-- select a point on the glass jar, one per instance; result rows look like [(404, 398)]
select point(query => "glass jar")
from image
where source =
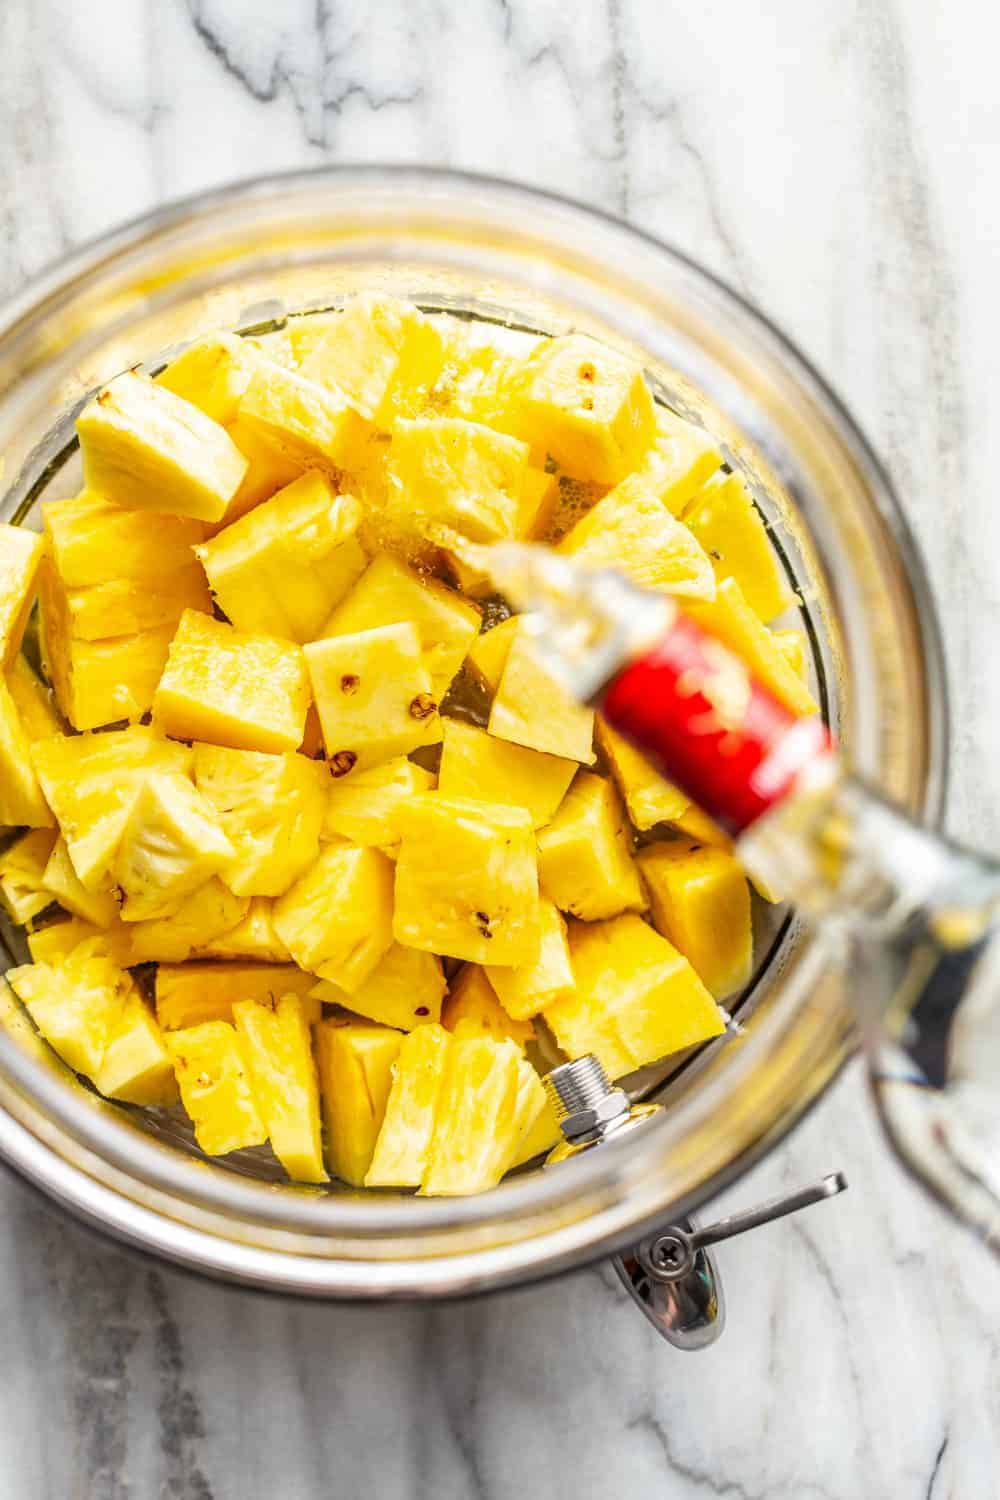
[(248, 256)]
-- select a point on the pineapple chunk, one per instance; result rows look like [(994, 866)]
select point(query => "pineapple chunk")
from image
[(190, 994), (585, 862), (539, 499), (404, 1138), (390, 593), (213, 1074), (22, 875), (39, 719), (532, 709), (732, 531), (585, 406), (649, 797), (170, 846), (636, 1000), (380, 353), (305, 330), (54, 943), (356, 1061), (529, 988), (336, 920), (488, 653), (213, 374), (282, 568), (90, 540), (22, 803), (531, 1104), (405, 990), (792, 644), (373, 695), (76, 1006), (472, 1009), (146, 449), (269, 470), (122, 607), (252, 937), (136, 1065), (467, 880), (701, 828), (461, 474), (540, 1137), (630, 529), (474, 1125), (730, 617), (249, 692), (700, 901), (303, 420), (270, 807), (475, 764), (364, 806), (284, 1081), (20, 556), (682, 458), (199, 917), (63, 884), (104, 682)]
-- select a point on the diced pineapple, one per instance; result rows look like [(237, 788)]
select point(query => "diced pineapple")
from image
[(22, 803), (22, 875), (585, 862), (404, 1140), (355, 1061), (199, 918), (540, 1137), (336, 920), (700, 900), (793, 645), (636, 999), (373, 695), (681, 459), (268, 471), (532, 709), (472, 1141), (171, 845), (404, 990), (390, 593), (212, 373), (144, 448), (731, 529), (305, 421), (282, 568), (284, 1081), (631, 530), (380, 353), (213, 1074), (475, 764), (253, 936), (539, 498), (91, 540), (305, 330), (270, 807), (488, 653), (136, 1066), (701, 828), (192, 993), (730, 617), (54, 943), (467, 880), (63, 884), (39, 719), (20, 556), (472, 1009), (104, 682), (364, 805), (649, 797), (249, 692), (585, 406), (525, 990), (461, 474), (123, 607), (76, 1006), (531, 1104)]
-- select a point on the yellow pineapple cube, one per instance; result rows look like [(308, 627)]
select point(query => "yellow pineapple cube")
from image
[(364, 805), (682, 458), (530, 708), (525, 990), (305, 330), (355, 1061), (213, 374), (390, 593), (170, 846), (539, 499), (282, 568), (472, 1009), (540, 1137), (730, 618), (373, 695), (701, 828), (22, 803), (336, 920), (307, 422), (20, 556), (475, 764), (488, 653), (285, 1085), (475, 1117), (270, 807), (649, 797), (268, 471), (122, 607), (585, 406), (253, 936), (793, 645), (585, 862), (467, 880), (379, 352), (192, 924), (136, 1066), (460, 474), (54, 943), (213, 1074), (33, 701), (188, 994), (631, 530), (145, 448), (22, 875), (700, 901), (249, 692), (732, 531), (636, 999), (90, 540), (104, 682), (404, 1137), (404, 990), (63, 884), (76, 1006), (531, 1104)]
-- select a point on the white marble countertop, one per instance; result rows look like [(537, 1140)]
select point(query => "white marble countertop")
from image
[(840, 165)]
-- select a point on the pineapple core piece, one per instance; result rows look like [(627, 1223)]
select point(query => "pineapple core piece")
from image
[(373, 695), (649, 797), (305, 421), (488, 653), (700, 900), (472, 1009), (22, 803), (459, 474), (636, 999), (531, 709), (529, 988), (474, 1127), (476, 764), (731, 529), (20, 556), (380, 353), (540, 1137), (270, 807), (336, 920), (171, 845), (147, 449), (249, 692), (63, 884), (530, 1105), (136, 1066), (212, 373), (189, 994), (404, 1137), (631, 530), (283, 1078), (39, 719), (585, 860), (213, 1074), (585, 406), (682, 458), (355, 1061), (467, 880), (404, 990), (22, 875), (282, 568), (730, 617), (76, 1006), (192, 924), (364, 806)]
